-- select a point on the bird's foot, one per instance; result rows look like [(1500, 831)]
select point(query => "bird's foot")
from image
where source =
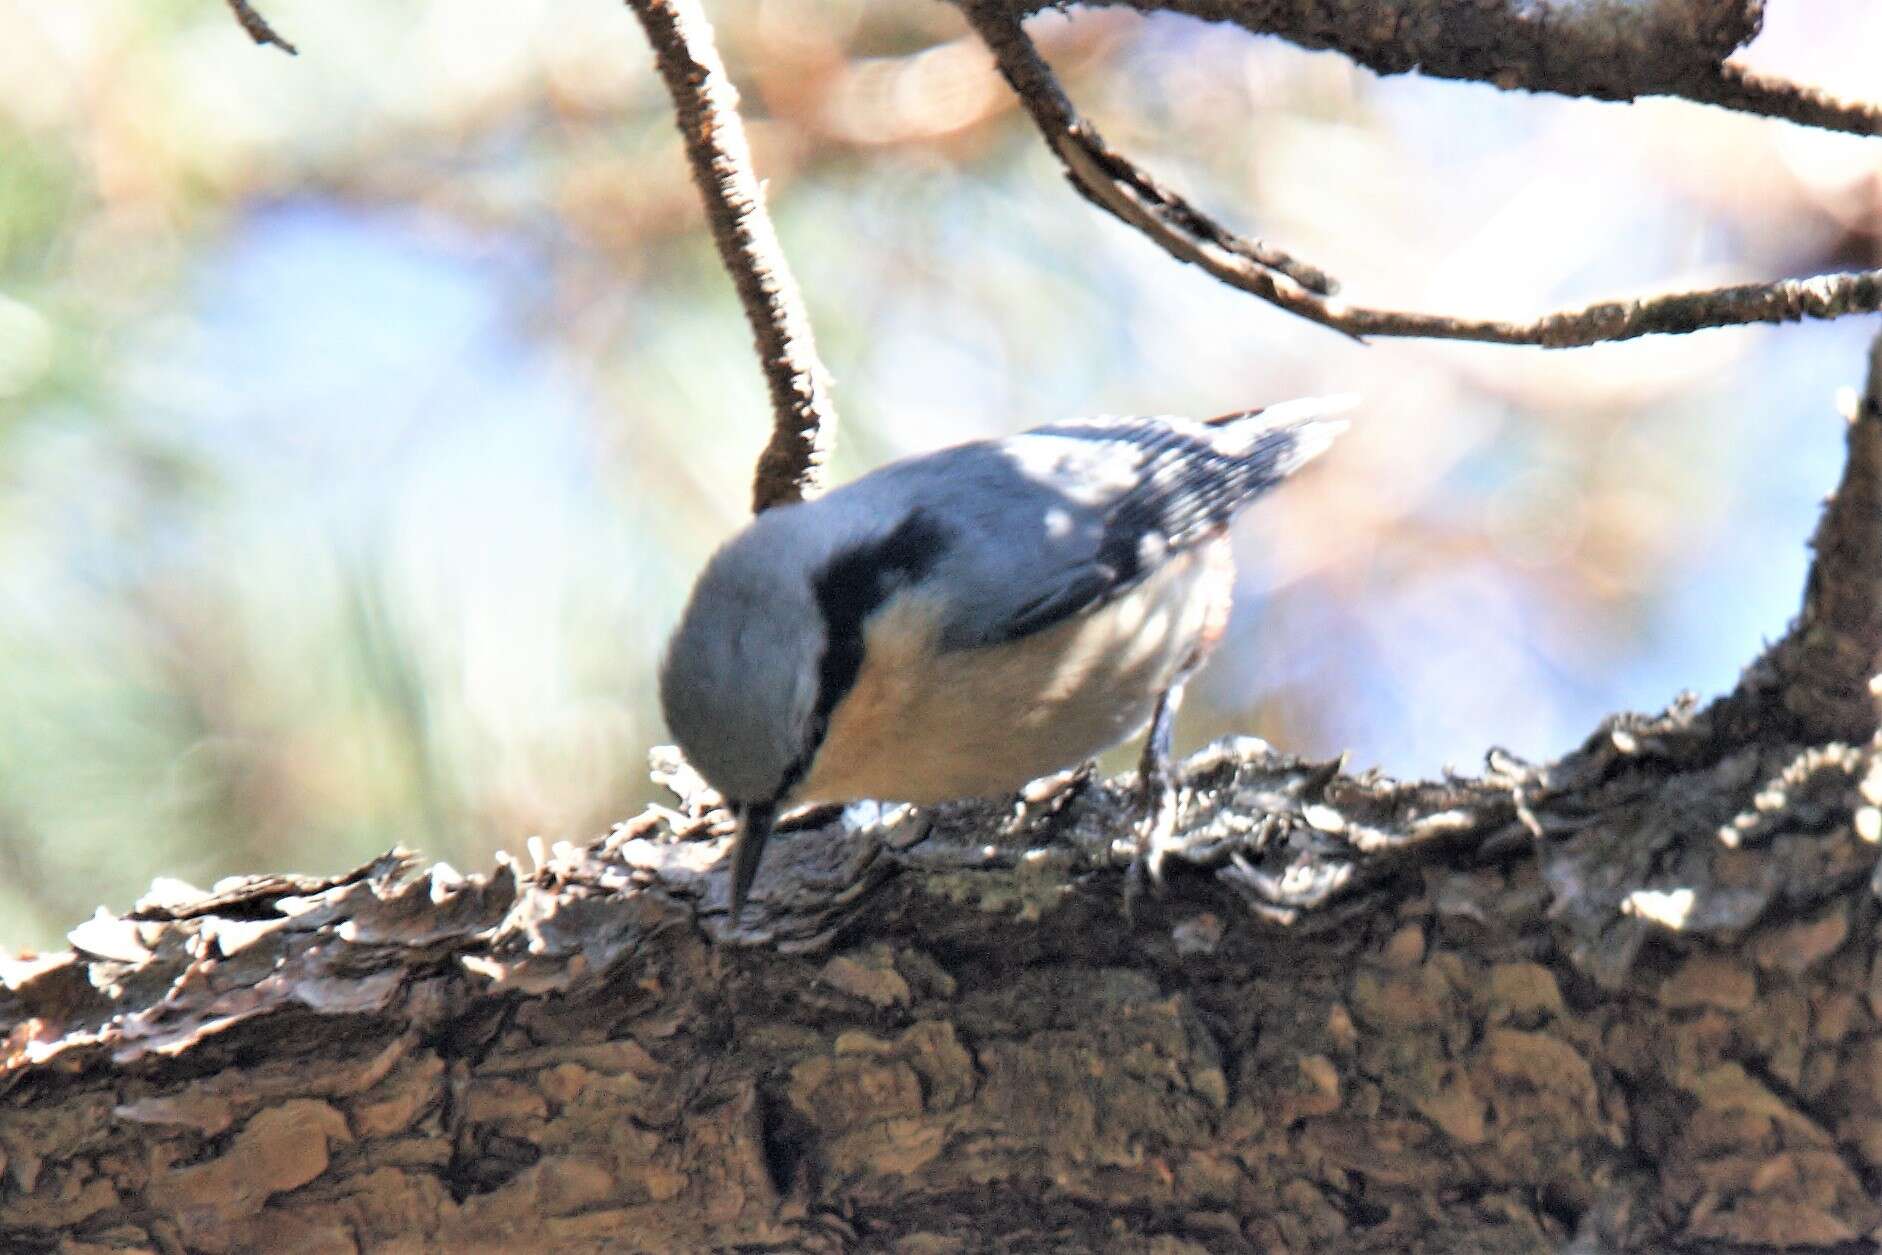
[(1157, 800)]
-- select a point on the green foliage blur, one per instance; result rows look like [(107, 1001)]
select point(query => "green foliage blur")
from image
[(363, 415)]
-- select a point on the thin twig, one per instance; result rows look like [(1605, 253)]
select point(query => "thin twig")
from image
[(706, 108), (257, 27), (1748, 91), (1114, 183), (1120, 187)]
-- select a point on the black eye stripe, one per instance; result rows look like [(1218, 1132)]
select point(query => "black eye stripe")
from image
[(852, 586)]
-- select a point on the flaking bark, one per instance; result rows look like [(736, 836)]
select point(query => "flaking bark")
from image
[(1498, 1014), (1630, 1000)]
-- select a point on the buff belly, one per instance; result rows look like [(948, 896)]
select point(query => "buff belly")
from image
[(926, 727)]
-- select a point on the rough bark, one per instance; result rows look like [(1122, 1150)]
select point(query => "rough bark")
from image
[(1576, 47), (1594, 48), (1629, 1001), (1495, 1014)]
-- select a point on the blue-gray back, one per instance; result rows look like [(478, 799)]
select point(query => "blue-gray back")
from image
[(1032, 529)]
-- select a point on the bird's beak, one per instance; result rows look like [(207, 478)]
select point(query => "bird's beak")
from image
[(748, 847)]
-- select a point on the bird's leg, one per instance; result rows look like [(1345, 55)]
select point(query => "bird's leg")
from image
[(1156, 796)]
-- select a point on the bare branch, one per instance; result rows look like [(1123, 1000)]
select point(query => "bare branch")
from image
[(1115, 184), (1748, 91), (706, 109), (257, 27), (1582, 48), (1168, 212)]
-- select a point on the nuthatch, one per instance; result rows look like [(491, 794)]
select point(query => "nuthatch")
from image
[(959, 623)]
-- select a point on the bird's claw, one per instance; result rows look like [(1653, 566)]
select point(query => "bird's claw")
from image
[(1156, 837)]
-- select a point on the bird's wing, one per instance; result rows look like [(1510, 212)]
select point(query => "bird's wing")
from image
[(1066, 517)]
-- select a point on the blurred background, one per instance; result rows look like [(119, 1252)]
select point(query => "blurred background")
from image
[(364, 416)]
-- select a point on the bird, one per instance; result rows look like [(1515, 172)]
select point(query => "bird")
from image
[(961, 622)]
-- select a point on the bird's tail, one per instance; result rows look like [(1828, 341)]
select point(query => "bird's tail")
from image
[(1285, 437)]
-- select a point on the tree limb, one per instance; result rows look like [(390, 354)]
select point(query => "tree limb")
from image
[(1627, 1000), (706, 108), (1115, 184), (1591, 1001), (1825, 670), (1568, 47), (1746, 90), (1545, 1004)]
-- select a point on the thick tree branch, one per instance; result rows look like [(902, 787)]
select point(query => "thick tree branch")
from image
[(1466, 1043), (1826, 668), (706, 107), (257, 27), (1570, 47), (1115, 184), (1627, 999)]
